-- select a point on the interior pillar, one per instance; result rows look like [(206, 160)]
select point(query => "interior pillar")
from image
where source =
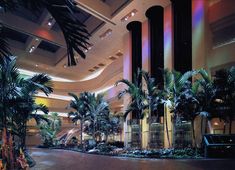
[(182, 24)]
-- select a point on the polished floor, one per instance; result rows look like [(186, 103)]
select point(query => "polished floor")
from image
[(68, 160)]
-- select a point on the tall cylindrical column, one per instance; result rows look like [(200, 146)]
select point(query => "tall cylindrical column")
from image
[(135, 28), (156, 37), (182, 24)]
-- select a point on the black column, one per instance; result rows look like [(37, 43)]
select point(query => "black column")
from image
[(182, 23), (135, 28), (156, 37)]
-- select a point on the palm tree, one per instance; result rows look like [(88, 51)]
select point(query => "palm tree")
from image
[(100, 111), (174, 83), (138, 101), (153, 97), (203, 89), (64, 13), (50, 128), (224, 83), (80, 105), (18, 96)]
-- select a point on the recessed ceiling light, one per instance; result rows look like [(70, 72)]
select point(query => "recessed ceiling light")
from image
[(36, 65), (119, 54), (101, 64), (96, 67), (112, 58), (129, 15), (32, 48), (91, 70), (107, 33), (49, 22)]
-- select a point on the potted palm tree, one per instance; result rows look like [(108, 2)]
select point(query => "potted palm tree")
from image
[(174, 82), (138, 101), (153, 95), (81, 110)]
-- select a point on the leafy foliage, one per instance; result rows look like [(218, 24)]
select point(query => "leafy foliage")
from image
[(17, 97), (138, 101), (49, 129)]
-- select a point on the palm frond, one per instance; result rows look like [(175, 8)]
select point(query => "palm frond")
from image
[(65, 14), (40, 82), (74, 31)]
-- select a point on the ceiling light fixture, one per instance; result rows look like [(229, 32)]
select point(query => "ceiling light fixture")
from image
[(129, 15), (49, 22), (31, 49), (107, 33), (89, 47)]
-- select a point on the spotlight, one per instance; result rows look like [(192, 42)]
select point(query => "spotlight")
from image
[(32, 48), (107, 33), (129, 15), (49, 22)]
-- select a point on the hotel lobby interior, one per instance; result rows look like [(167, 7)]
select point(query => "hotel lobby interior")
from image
[(117, 84)]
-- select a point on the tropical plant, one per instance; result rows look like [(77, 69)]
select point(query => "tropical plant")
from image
[(204, 91), (93, 113), (81, 112), (138, 102), (174, 84), (153, 94), (187, 106), (49, 129), (64, 13), (99, 109), (224, 84), (17, 103)]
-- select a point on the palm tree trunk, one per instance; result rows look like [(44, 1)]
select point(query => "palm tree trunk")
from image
[(140, 133), (81, 127), (167, 131), (150, 123), (194, 138)]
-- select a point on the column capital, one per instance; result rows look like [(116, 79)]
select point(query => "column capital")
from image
[(153, 11), (133, 25)]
